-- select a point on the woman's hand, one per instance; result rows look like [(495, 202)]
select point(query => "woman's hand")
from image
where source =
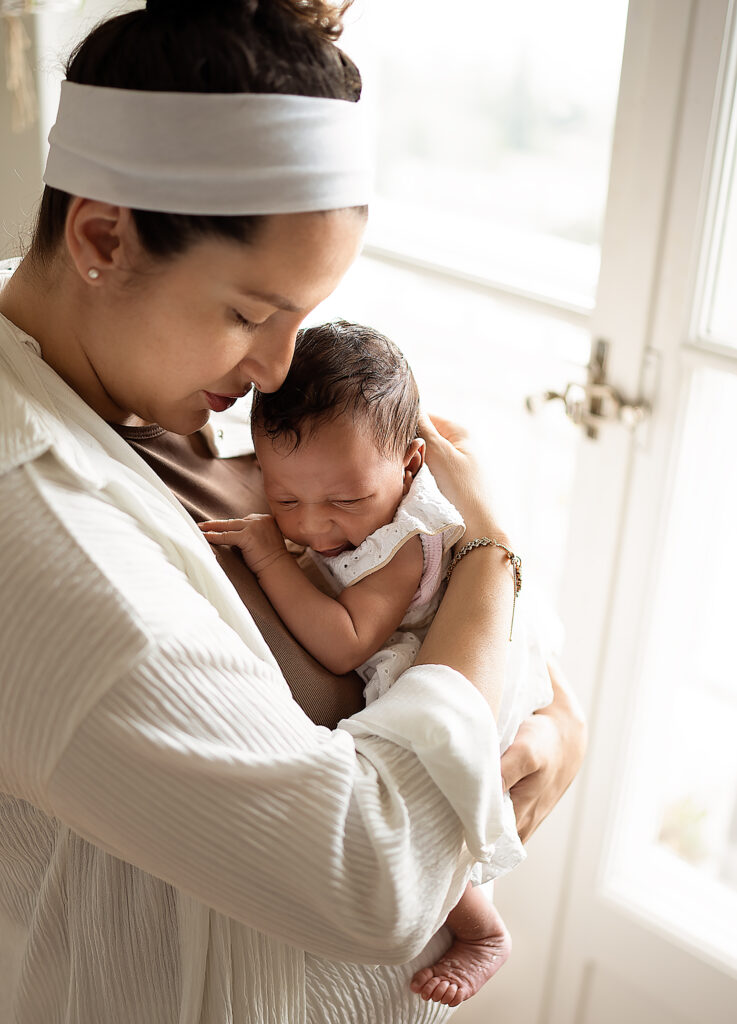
[(258, 537), (547, 752), (459, 475)]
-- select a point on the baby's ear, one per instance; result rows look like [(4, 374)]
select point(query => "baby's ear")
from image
[(413, 460)]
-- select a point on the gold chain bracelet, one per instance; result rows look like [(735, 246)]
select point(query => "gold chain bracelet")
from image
[(514, 560)]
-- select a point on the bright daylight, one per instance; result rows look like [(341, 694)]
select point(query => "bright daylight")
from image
[(368, 433)]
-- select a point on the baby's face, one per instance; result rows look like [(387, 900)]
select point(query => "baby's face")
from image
[(333, 490)]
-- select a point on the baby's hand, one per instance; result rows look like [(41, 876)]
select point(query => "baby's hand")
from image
[(258, 537)]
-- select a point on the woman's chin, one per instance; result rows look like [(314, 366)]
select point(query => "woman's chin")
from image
[(178, 421)]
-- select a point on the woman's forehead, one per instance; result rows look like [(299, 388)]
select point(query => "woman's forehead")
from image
[(293, 262)]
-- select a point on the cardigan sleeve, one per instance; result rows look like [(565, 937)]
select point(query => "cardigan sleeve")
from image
[(135, 715)]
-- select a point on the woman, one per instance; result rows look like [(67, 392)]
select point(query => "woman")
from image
[(179, 841)]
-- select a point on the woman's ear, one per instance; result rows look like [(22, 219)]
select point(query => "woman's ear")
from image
[(413, 460), (100, 238)]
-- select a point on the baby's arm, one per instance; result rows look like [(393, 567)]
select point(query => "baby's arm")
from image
[(340, 632)]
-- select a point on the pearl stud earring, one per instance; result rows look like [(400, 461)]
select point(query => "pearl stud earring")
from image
[(93, 273)]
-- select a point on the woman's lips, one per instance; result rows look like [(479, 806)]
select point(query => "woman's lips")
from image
[(219, 403)]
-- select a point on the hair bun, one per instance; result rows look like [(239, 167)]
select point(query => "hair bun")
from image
[(171, 8)]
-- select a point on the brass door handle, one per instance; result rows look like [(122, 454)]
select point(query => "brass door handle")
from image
[(595, 402)]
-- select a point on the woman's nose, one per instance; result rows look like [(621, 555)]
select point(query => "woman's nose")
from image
[(271, 361)]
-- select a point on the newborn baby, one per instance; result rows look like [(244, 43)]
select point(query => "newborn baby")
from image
[(344, 476)]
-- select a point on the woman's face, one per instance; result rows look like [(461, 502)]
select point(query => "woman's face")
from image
[(193, 333)]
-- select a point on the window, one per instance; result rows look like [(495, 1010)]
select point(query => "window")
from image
[(493, 127), (495, 157), (675, 852)]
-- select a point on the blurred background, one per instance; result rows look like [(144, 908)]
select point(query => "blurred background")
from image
[(553, 243)]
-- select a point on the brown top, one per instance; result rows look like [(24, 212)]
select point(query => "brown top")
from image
[(211, 488)]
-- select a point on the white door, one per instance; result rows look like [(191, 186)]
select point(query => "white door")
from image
[(648, 926), (515, 299)]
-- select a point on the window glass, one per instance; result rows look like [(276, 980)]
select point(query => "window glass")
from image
[(679, 832), (494, 124), (720, 313)]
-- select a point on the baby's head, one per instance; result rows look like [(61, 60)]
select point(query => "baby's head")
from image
[(337, 443)]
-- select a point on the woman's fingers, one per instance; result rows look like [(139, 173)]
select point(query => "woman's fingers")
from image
[(451, 431), (530, 775), (523, 757), (547, 752), (436, 429), (459, 475)]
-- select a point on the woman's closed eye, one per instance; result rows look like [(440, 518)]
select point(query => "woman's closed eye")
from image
[(244, 322)]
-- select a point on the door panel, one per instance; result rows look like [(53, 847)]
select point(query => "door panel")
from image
[(609, 997), (650, 902)]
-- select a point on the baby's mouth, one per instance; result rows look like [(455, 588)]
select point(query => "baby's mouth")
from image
[(332, 552)]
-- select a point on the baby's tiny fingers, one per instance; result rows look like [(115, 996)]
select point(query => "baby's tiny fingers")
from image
[(219, 525), (223, 536)]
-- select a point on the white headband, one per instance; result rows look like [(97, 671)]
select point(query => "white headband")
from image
[(208, 153)]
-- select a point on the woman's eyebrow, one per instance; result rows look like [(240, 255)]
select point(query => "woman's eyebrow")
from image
[(272, 298)]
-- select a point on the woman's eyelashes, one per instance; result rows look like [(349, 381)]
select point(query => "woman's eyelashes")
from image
[(244, 322)]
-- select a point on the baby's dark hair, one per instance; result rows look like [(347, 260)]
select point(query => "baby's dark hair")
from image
[(341, 368)]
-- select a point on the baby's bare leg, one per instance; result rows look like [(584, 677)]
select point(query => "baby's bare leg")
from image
[(481, 945)]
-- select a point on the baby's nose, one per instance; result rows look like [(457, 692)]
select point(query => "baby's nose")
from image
[(314, 520)]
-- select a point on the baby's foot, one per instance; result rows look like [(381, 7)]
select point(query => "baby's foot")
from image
[(466, 966)]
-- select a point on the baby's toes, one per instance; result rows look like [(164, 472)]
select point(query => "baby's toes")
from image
[(429, 989), (440, 990), (421, 978), (451, 996)]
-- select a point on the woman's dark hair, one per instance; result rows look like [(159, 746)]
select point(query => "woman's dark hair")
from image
[(338, 369), (264, 46)]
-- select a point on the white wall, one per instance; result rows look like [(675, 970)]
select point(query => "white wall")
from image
[(22, 156)]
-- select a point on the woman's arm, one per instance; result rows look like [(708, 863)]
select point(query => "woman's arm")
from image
[(152, 728), (546, 753), (474, 645), (549, 747)]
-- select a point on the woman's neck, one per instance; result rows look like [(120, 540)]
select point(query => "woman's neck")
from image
[(49, 305)]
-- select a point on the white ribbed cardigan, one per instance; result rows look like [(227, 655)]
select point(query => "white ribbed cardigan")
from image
[(179, 844)]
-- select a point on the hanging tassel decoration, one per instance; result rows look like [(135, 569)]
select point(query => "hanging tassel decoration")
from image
[(19, 74)]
